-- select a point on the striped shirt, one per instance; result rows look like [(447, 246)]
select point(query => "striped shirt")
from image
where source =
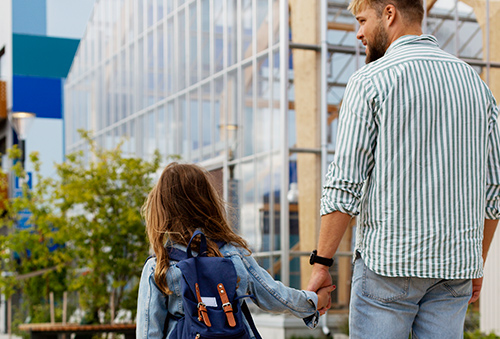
[(418, 160)]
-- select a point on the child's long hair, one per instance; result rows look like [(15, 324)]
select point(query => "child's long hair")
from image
[(182, 201)]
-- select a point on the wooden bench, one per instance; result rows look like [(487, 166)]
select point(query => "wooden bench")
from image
[(55, 331)]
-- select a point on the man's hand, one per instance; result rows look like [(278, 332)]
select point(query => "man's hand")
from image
[(476, 289), (333, 227), (490, 227), (320, 277)]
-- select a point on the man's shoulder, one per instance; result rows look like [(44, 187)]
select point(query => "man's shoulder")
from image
[(404, 57)]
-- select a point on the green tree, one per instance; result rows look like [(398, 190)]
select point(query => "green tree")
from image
[(101, 199), (32, 250), (91, 208)]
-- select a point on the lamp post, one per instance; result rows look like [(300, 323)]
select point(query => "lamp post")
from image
[(21, 121)]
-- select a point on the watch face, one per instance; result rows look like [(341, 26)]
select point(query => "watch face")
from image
[(311, 258)]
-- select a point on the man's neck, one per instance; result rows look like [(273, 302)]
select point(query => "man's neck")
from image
[(408, 30)]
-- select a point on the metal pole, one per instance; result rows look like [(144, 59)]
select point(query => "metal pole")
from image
[(487, 13), (112, 306), (424, 22), (9, 317), (22, 147), (52, 313), (457, 37), (284, 213), (324, 113), (65, 306), (324, 89)]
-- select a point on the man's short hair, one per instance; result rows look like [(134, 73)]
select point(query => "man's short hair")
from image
[(412, 10)]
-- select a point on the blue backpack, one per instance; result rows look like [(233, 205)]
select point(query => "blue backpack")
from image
[(211, 307)]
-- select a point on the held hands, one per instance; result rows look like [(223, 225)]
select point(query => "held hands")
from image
[(320, 277), (324, 298), (321, 283)]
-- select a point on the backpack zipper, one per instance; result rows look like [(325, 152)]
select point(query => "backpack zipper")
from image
[(198, 336)]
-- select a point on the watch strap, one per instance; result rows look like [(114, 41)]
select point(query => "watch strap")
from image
[(315, 258)]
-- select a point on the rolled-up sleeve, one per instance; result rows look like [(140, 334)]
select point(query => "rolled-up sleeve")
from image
[(355, 147), (151, 305), (493, 169)]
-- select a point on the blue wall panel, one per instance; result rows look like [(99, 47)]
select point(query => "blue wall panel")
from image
[(42, 56), (42, 96), (29, 17)]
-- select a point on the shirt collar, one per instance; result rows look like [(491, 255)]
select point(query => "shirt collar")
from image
[(409, 39)]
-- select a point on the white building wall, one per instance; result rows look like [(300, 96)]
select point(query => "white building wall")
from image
[(48, 145), (490, 296), (68, 19)]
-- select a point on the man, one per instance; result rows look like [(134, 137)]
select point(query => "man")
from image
[(418, 161)]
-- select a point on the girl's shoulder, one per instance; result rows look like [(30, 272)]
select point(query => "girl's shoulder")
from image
[(229, 250), (150, 262)]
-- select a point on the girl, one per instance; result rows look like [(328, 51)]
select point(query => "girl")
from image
[(182, 201)]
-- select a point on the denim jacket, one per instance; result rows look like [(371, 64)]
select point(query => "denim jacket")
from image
[(268, 294)]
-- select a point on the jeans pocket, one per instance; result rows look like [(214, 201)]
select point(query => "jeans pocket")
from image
[(384, 289), (459, 287)]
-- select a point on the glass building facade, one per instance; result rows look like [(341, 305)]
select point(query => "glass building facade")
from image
[(213, 81)]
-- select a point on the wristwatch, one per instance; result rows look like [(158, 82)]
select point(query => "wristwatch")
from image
[(315, 258)]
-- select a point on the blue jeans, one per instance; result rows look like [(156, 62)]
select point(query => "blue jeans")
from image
[(384, 307)]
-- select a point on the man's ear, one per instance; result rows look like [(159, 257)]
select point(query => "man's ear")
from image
[(389, 14)]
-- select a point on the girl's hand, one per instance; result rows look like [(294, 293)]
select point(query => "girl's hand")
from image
[(324, 298)]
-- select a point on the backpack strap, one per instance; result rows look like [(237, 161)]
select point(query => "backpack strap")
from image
[(203, 244), (178, 255), (248, 316)]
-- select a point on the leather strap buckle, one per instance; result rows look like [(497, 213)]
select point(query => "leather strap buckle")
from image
[(202, 309), (226, 305)]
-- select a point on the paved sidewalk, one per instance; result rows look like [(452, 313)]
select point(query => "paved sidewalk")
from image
[(6, 336)]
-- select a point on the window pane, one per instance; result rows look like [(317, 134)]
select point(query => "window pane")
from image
[(169, 83), (151, 134), (262, 25), (248, 211), (263, 113), (194, 122), (205, 38), (206, 122), (161, 64), (248, 111), (140, 15), (193, 44), (247, 33), (183, 128), (218, 104), (275, 107), (232, 126), (151, 87), (151, 12), (218, 31), (161, 132), (140, 75), (181, 50), (171, 130), (232, 32)]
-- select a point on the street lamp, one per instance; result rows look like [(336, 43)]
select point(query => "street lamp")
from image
[(21, 121)]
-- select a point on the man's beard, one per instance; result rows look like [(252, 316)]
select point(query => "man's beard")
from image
[(377, 49)]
